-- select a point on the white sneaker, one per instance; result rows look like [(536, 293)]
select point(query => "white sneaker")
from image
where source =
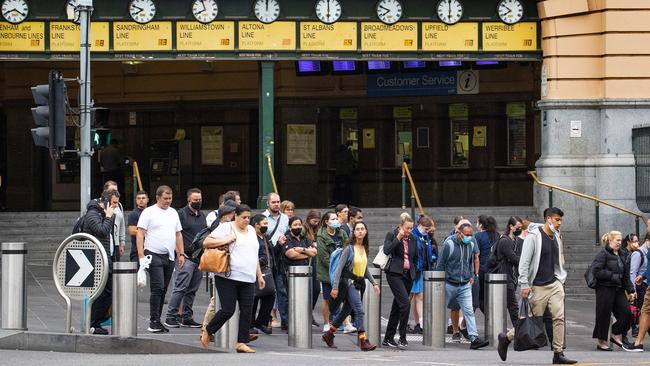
[(349, 328), (326, 327)]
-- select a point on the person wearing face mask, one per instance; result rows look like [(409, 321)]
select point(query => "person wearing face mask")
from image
[(188, 278), (457, 260), (297, 250), (541, 279), (310, 230), (425, 262), (401, 246), (265, 302), (503, 259), (329, 237)]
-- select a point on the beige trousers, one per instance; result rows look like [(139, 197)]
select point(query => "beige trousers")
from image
[(209, 314)]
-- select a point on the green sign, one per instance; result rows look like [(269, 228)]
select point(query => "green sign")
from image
[(348, 114), (459, 110), (402, 112), (516, 110)]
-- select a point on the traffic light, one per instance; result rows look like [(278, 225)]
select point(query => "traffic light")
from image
[(100, 137), (50, 113)]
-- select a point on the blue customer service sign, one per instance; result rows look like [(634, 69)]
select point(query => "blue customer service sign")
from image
[(412, 84)]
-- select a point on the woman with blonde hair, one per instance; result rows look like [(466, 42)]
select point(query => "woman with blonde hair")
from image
[(287, 208), (613, 292)]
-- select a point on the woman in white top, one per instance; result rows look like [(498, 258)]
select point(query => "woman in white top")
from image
[(237, 286)]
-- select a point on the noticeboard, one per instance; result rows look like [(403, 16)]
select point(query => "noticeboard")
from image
[(195, 36), (504, 37), (376, 36), (444, 37), (316, 36), (131, 36), (257, 36), (23, 37), (64, 37)]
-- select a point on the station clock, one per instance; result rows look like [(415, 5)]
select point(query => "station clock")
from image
[(450, 11), (328, 11), (15, 11), (267, 11), (142, 11), (205, 11), (510, 11), (389, 11)]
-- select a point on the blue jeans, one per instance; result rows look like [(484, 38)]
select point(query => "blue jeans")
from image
[(462, 295), (351, 298), (281, 297)]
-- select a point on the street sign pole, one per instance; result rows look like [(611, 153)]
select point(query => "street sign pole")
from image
[(85, 8)]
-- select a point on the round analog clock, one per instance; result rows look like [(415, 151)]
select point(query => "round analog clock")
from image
[(328, 11), (450, 11), (510, 11), (15, 11), (142, 11), (267, 11), (205, 11), (389, 11)]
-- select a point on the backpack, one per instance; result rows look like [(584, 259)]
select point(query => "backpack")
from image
[(197, 243), (589, 277), (335, 258)]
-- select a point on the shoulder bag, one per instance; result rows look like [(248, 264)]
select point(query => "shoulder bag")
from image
[(217, 260)]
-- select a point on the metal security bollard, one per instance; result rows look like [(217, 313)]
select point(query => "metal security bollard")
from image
[(435, 310), (14, 286), (300, 314), (226, 337), (125, 299), (372, 308), (496, 287)]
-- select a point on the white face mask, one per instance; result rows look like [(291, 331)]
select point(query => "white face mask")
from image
[(550, 225)]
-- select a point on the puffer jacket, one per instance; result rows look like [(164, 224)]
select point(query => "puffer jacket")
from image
[(610, 270), (97, 225)]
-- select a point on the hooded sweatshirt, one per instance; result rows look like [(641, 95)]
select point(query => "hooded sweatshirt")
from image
[(530, 255), (459, 263)]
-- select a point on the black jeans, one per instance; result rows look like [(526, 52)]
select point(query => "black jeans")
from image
[(315, 284), (160, 274), (104, 301), (262, 307), (611, 300), (400, 286), (230, 293), (511, 302)]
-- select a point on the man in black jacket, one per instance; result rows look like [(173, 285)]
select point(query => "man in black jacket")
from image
[(98, 223)]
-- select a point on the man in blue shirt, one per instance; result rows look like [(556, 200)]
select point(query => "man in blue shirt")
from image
[(141, 201), (644, 321)]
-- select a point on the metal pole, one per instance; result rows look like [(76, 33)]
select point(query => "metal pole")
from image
[(372, 308), (434, 309), (550, 197), (226, 337), (637, 225), (14, 286), (300, 312), (412, 206), (266, 125), (495, 314), (597, 223), (125, 299), (403, 188), (85, 9)]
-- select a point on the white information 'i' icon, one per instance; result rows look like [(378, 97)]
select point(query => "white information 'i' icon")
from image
[(467, 82)]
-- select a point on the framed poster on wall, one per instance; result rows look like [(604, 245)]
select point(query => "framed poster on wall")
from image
[(301, 144), (212, 145)]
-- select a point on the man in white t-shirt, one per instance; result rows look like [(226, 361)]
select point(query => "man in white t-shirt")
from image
[(159, 235)]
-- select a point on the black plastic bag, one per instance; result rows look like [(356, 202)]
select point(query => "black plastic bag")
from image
[(529, 332)]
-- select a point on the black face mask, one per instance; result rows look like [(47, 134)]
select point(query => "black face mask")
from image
[(196, 205), (264, 229), (517, 232), (296, 232)]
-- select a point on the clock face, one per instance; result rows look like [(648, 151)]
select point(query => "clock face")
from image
[(510, 11), (389, 11), (205, 11), (267, 11), (328, 11), (15, 11), (142, 11), (450, 11)]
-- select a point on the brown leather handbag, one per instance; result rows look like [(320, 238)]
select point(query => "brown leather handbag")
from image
[(216, 260)]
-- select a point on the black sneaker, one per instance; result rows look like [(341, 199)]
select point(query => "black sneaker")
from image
[(156, 327), (172, 323), (102, 331), (478, 343), (389, 343), (410, 329), (417, 329), (455, 338), (450, 330), (265, 330), (190, 323), (464, 332), (560, 359), (403, 343), (502, 347), (633, 348)]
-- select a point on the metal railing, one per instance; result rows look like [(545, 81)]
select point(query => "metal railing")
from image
[(406, 173), (137, 181), (597, 202), (270, 165)]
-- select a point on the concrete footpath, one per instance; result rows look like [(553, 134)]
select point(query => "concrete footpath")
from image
[(46, 314)]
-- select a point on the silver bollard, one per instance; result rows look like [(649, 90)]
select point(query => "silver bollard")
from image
[(496, 288), (226, 337), (14, 286), (435, 309), (125, 299), (372, 308), (300, 313)]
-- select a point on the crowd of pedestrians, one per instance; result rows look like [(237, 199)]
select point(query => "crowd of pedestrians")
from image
[(263, 246)]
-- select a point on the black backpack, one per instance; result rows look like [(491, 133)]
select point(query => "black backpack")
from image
[(589, 277), (493, 263), (79, 225), (197, 242)]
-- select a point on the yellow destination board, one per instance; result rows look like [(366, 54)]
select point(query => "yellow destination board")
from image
[(23, 37), (131, 36), (516, 37), (316, 36), (376, 36), (64, 37), (195, 36), (443, 37), (277, 36)]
